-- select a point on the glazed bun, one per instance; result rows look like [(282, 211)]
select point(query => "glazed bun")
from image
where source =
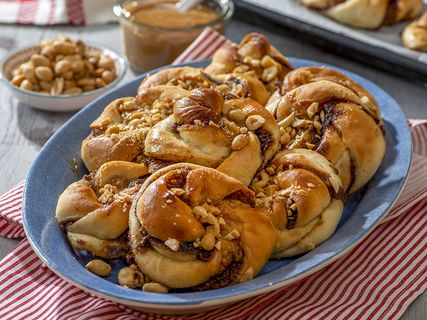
[(304, 198), (94, 211), (119, 132), (325, 111), (236, 136), (196, 228), (254, 57)]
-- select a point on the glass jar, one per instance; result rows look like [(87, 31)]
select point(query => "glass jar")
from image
[(150, 41)]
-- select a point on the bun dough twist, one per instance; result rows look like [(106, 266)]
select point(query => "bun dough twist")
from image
[(414, 36), (304, 198), (234, 86), (194, 227), (119, 132), (187, 78), (325, 111), (254, 57), (95, 210), (367, 14), (237, 136)]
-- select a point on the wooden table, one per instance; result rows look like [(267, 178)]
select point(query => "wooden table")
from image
[(23, 130)]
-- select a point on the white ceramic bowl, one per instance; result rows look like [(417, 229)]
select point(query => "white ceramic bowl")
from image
[(60, 103)]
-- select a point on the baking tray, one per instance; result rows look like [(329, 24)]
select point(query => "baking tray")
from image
[(380, 48)]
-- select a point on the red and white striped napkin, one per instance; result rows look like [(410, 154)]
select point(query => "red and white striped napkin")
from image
[(48, 12), (378, 279)]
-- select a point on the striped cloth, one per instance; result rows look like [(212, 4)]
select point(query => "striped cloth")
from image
[(378, 279), (48, 12)]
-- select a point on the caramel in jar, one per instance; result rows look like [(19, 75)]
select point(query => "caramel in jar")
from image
[(155, 35)]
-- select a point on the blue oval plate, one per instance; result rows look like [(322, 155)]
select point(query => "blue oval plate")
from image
[(51, 173)]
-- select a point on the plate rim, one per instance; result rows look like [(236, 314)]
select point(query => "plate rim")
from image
[(230, 297)]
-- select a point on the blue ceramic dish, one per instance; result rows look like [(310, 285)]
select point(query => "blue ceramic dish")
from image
[(51, 173)]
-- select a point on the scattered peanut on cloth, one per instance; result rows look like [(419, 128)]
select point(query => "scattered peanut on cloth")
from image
[(64, 66)]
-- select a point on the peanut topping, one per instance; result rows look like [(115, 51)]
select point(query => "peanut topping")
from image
[(200, 211), (254, 122), (234, 234), (208, 241), (239, 142), (313, 109), (244, 130), (173, 244), (178, 191), (287, 121), (236, 115)]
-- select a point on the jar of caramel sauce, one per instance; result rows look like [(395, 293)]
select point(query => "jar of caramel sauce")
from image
[(155, 34)]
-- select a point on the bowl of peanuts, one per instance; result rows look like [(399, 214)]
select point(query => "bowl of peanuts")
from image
[(62, 74)]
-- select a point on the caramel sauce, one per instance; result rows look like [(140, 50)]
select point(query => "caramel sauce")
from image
[(169, 18), (155, 35)]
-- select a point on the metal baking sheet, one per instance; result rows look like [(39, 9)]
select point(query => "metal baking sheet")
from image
[(383, 45)]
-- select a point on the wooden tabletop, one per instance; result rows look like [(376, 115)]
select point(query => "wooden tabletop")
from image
[(23, 130)]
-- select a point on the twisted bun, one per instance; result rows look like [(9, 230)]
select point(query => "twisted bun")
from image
[(187, 78), (249, 160), (237, 136), (119, 132), (330, 117), (202, 104), (304, 198), (414, 35), (194, 227), (367, 14), (95, 210), (254, 57)]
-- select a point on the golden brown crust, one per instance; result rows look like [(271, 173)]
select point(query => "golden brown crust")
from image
[(306, 75), (237, 85), (196, 228), (367, 14), (400, 10), (414, 36), (97, 150), (327, 114), (204, 130), (184, 206), (255, 57), (95, 210), (297, 188), (203, 104), (187, 78), (119, 132)]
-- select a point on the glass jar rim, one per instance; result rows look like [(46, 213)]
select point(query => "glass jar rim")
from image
[(227, 9)]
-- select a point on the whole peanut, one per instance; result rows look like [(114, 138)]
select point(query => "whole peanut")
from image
[(44, 73), (29, 74), (26, 85), (68, 75), (39, 60), (64, 66), (64, 48), (72, 90), (99, 267), (57, 86), (106, 63), (107, 76), (45, 85), (17, 79), (100, 83)]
